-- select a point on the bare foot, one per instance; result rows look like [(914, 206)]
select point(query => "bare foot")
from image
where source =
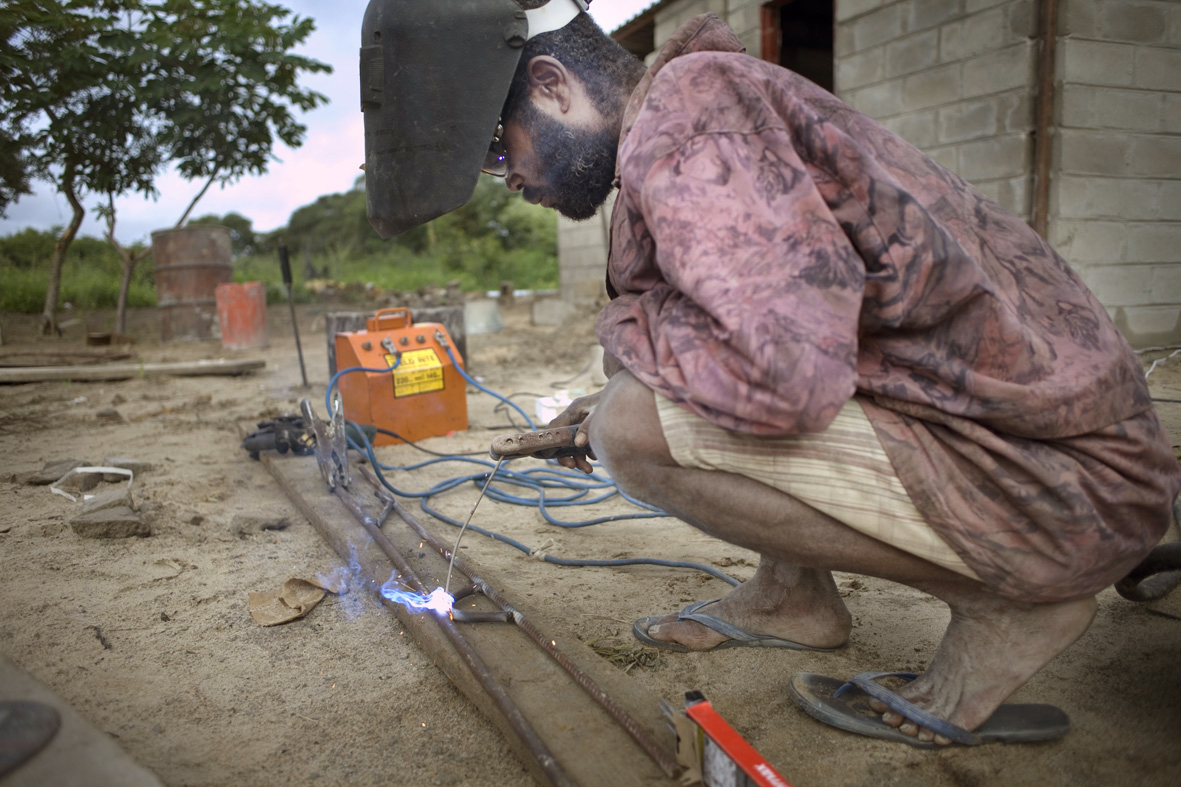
[(780, 600), (990, 649)]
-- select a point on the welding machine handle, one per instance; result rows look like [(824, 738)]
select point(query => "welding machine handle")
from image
[(559, 440), (396, 310)]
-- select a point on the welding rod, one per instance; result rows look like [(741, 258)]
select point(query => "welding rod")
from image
[(496, 691), (638, 732), (285, 265)]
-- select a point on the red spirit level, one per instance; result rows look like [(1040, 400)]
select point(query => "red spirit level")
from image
[(714, 753)]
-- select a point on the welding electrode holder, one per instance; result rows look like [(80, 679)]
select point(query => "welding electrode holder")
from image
[(550, 443)]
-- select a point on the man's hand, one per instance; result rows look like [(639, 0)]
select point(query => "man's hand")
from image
[(579, 412)]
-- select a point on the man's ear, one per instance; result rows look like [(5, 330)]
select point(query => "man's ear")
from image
[(549, 81)]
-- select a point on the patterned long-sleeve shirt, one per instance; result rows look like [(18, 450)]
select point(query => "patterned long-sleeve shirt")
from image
[(774, 252)]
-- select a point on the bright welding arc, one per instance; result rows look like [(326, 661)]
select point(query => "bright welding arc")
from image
[(455, 549)]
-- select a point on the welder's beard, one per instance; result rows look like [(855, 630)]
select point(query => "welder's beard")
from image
[(580, 164)]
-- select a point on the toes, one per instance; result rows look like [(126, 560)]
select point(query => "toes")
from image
[(662, 625), (893, 719), (925, 735), (877, 705), (909, 728)]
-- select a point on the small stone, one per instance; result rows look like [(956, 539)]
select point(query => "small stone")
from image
[(118, 522), (118, 399), (136, 466), (54, 470), (243, 525), (151, 512), (109, 414), (111, 498)]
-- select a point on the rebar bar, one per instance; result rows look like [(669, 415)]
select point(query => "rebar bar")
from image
[(666, 760), (520, 725)]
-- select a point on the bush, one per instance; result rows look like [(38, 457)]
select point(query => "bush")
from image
[(495, 237), (90, 275)]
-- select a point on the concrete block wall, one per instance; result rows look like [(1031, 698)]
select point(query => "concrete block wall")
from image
[(582, 256), (1116, 193), (582, 246), (668, 19), (953, 77), (957, 79)]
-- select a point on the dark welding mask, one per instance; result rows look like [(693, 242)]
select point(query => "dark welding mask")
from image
[(434, 78)]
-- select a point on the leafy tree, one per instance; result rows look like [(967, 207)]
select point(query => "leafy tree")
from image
[(100, 95), (26, 249), (242, 238)]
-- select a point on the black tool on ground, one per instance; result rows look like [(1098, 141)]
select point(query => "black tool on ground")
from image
[(285, 265), (283, 433), (548, 443)]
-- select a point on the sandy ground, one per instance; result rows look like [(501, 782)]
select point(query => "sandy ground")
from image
[(150, 638)]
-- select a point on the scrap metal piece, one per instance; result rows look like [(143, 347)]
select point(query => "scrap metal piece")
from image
[(331, 445)]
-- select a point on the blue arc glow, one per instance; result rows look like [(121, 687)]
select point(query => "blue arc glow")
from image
[(439, 600)]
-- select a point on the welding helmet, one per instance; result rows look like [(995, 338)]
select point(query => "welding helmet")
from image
[(434, 78)]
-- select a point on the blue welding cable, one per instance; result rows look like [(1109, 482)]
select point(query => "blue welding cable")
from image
[(540, 502), (583, 562), (543, 501), (573, 480), (342, 372), (493, 394)]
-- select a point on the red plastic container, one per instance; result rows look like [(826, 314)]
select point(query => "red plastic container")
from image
[(242, 315)]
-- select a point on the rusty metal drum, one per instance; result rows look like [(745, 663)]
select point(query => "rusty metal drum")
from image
[(190, 263)]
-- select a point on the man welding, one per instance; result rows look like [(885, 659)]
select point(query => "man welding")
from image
[(822, 346)]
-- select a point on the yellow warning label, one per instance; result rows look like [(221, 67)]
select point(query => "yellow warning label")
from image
[(420, 371)]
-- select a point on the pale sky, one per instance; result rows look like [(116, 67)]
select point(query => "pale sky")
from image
[(327, 162)]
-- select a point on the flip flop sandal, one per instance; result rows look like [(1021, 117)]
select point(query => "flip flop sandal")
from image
[(845, 704), (738, 637)]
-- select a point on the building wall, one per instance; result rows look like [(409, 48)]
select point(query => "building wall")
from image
[(582, 256), (953, 77), (957, 78), (1116, 196)]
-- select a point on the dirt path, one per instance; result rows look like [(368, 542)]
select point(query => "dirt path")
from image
[(151, 640)]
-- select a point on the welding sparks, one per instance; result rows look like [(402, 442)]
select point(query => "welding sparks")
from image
[(439, 600)]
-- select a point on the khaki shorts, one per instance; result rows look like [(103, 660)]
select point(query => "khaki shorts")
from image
[(843, 472)]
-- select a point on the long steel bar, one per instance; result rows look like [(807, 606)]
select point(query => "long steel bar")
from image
[(521, 726), (665, 759)]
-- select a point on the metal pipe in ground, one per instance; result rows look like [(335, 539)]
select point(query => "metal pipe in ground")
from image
[(285, 265)]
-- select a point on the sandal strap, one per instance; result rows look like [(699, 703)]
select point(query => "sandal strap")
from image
[(717, 624), (910, 711)]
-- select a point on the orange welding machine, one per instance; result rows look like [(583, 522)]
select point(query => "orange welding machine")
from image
[(421, 395)]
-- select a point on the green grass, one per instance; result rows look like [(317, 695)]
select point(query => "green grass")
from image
[(478, 265), (407, 272), (23, 291)]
